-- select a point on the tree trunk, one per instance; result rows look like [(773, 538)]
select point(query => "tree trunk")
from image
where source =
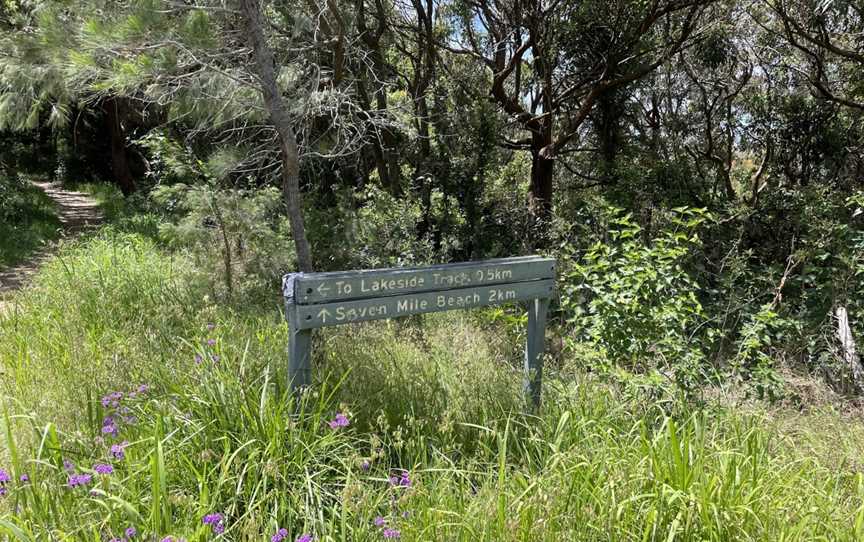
[(540, 191), (119, 159), (847, 347), (265, 64)]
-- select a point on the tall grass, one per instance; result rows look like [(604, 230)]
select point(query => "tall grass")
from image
[(28, 219), (435, 402)]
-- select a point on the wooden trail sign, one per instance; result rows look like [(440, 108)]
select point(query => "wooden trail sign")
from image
[(314, 300)]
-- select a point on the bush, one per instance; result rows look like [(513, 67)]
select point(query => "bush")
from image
[(642, 304), (237, 238)]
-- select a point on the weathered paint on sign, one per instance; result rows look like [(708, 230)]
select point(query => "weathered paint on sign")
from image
[(346, 312), (329, 287)]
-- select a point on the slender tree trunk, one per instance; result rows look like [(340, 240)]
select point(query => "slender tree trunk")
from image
[(540, 190), (119, 159), (265, 64)]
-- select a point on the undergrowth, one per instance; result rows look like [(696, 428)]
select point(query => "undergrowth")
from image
[(132, 400), (28, 219)]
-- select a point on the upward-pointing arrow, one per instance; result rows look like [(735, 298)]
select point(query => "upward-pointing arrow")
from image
[(323, 314), (323, 288)]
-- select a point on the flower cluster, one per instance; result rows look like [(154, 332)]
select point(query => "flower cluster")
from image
[(103, 468), (403, 480), (4, 479), (209, 343), (282, 535), (118, 451), (118, 412), (386, 532), (78, 480), (129, 534), (398, 481), (216, 521), (341, 420)]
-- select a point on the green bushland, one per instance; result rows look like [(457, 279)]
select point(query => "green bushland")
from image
[(28, 219), (436, 397)]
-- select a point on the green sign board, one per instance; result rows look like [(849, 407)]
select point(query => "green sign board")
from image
[(328, 287), (314, 300)]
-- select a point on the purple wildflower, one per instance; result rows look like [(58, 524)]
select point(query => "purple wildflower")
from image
[(130, 532), (215, 358), (4, 477), (216, 521), (198, 359), (118, 451), (391, 533), (24, 478), (110, 430), (103, 468), (404, 480), (68, 466), (76, 480), (306, 537), (365, 465), (341, 420), (379, 521), (212, 519), (280, 535), (143, 388), (211, 326), (211, 342)]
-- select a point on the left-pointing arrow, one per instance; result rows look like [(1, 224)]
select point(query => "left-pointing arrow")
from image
[(323, 314), (323, 288)]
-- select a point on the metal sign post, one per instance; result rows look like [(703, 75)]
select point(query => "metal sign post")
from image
[(314, 300)]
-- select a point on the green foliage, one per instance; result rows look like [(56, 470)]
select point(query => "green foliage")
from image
[(220, 435), (235, 236), (28, 219), (637, 301)]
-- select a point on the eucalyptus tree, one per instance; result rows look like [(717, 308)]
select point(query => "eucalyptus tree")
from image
[(552, 63)]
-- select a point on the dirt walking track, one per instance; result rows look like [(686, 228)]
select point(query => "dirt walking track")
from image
[(76, 211)]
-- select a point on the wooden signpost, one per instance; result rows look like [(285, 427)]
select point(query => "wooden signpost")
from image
[(315, 300)]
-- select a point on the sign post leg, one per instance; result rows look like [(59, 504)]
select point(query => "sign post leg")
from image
[(534, 347), (299, 357), (299, 340)]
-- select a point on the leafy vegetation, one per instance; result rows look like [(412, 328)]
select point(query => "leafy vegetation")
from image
[(170, 407), (28, 219), (695, 168)]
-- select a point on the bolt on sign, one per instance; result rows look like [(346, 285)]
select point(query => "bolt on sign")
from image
[(314, 300)]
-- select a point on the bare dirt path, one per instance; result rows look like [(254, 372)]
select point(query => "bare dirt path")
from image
[(77, 212)]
